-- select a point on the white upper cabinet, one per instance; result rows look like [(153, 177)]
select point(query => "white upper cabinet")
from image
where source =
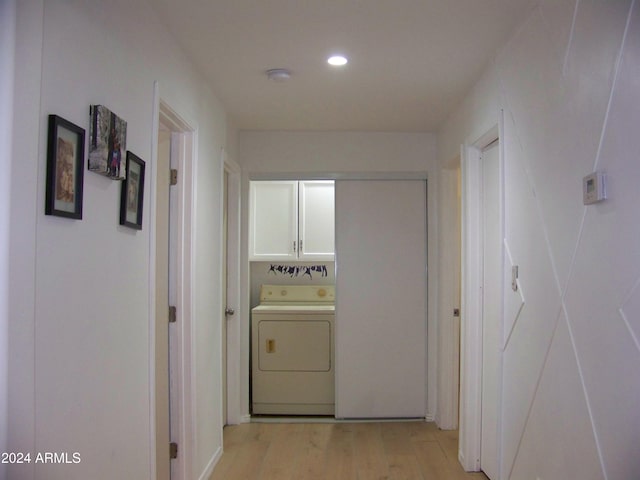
[(291, 220), (316, 220), (273, 220)]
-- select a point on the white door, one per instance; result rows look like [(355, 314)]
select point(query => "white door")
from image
[(381, 293), (225, 283), (231, 337), (162, 305), (177, 422), (491, 310)]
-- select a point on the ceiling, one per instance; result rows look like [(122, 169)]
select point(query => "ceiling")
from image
[(410, 61)]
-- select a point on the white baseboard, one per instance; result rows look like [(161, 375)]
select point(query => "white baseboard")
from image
[(245, 419), (211, 465), (329, 419)]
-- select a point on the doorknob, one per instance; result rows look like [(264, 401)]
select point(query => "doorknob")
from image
[(229, 311)]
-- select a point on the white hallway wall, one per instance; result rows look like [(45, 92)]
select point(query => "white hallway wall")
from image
[(270, 155), (7, 44), (79, 297), (568, 82)]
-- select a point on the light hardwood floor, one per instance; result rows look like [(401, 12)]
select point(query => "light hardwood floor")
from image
[(335, 451)]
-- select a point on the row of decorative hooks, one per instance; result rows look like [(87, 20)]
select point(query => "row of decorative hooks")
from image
[(295, 271)]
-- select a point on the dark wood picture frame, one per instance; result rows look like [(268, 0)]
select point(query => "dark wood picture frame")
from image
[(132, 194), (65, 169)]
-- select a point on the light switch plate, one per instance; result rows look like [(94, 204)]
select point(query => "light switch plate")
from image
[(514, 278), (594, 188)]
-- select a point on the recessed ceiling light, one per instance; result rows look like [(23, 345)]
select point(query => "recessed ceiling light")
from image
[(337, 60)]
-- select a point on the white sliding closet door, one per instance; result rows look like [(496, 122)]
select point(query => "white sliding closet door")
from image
[(381, 288)]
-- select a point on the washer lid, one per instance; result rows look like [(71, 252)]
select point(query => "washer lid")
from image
[(297, 294)]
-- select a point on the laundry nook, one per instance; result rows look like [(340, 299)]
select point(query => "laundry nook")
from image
[(292, 339)]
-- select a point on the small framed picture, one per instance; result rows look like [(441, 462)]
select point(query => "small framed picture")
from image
[(107, 142), (132, 193), (65, 169)]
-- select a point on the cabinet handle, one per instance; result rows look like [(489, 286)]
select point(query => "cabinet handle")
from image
[(300, 246), (294, 245)]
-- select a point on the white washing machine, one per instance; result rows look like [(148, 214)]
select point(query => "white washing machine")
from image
[(292, 349)]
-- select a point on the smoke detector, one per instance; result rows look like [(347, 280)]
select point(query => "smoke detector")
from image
[(278, 74)]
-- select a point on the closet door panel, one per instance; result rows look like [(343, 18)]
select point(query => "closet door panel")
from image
[(381, 289)]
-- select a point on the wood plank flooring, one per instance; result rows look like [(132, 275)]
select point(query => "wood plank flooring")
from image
[(340, 451)]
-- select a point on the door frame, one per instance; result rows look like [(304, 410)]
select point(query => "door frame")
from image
[(233, 415), (470, 429), (431, 178), (181, 225), (448, 375)]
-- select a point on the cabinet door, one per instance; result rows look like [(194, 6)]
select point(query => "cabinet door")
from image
[(317, 220), (273, 224)]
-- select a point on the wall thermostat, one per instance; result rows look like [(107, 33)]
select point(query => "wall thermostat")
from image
[(594, 188)]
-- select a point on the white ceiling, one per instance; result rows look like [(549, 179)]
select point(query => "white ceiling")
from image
[(411, 61)]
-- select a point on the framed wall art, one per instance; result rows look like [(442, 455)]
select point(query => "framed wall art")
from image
[(107, 142), (65, 169), (132, 195)]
